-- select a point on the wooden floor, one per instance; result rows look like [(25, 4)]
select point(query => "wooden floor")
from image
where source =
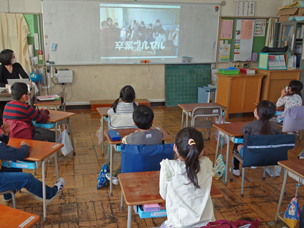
[(82, 205)]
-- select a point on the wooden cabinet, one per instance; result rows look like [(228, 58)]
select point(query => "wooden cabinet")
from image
[(275, 81), (239, 93)]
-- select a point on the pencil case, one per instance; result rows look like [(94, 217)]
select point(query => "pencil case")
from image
[(114, 135), (152, 214), (19, 164), (151, 207)]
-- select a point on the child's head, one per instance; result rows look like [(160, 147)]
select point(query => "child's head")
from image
[(143, 117), (18, 89), (189, 145), (264, 111), (127, 95), (295, 87)]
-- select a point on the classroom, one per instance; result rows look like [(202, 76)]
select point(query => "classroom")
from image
[(79, 70)]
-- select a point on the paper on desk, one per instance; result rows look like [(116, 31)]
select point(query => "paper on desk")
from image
[(48, 97)]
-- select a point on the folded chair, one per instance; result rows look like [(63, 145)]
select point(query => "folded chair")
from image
[(201, 117), (140, 158), (264, 150)]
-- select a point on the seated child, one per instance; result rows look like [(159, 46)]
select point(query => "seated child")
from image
[(20, 111), (264, 111), (143, 118), (185, 183), (127, 104), (12, 180), (290, 97)]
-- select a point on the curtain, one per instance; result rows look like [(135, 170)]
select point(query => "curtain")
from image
[(13, 35), (270, 32)]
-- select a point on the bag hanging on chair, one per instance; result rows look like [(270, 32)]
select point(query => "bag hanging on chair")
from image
[(292, 213), (219, 167), (65, 140), (102, 181)]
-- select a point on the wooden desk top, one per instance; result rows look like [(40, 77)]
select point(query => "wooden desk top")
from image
[(295, 166), (143, 187), (10, 217), (191, 107), (242, 75), (231, 129), (5, 94), (103, 111), (47, 103), (39, 150), (56, 116), (124, 132)]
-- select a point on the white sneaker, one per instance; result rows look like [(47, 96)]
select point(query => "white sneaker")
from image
[(236, 172), (114, 179), (59, 184), (254, 167)]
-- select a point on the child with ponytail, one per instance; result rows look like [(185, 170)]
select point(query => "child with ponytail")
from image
[(185, 183), (264, 111), (127, 104)]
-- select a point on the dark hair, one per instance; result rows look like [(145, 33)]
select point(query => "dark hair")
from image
[(189, 152), (1, 118), (143, 117), (109, 18), (6, 57), (127, 94), (296, 86), (103, 23), (266, 110), (157, 21), (18, 89)]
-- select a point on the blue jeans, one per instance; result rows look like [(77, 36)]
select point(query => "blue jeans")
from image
[(19, 180)]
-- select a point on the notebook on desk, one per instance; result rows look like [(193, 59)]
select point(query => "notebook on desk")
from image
[(48, 97)]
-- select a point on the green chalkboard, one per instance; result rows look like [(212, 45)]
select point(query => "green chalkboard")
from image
[(33, 21), (182, 82), (258, 41)]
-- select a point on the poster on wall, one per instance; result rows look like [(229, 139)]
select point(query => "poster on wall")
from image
[(260, 27), (224, 52)]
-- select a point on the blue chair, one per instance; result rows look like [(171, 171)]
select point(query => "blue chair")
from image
[(141, 158), (264, 150)]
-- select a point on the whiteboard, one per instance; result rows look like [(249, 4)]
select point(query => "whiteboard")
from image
[(243, 47), (74, 28)]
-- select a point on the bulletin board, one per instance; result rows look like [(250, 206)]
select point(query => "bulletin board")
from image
[(258, 41)]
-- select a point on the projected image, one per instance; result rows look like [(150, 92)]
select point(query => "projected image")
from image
[(138, 31)]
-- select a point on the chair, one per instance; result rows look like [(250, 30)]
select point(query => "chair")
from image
[(121, 121), (13, 196), (63, 97), (141, 158), (263, 150), (294, 120), (201, 117)]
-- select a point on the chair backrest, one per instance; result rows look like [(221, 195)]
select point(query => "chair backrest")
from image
[(19, 129), (63, 97), (121, 121), (266, 150), (293, 119), (140, 158), (206, 111)]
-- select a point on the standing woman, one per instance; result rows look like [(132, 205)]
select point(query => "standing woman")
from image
[(9, 68)]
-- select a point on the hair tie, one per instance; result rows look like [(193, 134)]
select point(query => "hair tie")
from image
[(191, 142)]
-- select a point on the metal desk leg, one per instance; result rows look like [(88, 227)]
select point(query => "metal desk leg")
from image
[(111, 168), (129, 216), (71, 133), (56, 166), (102, 134), (281, 196), (43, 191), (227, 159), (56, 126), (182, 118), (217, 145), (187, 117)]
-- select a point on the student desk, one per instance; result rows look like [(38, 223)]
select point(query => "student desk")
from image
[(143, 188), (123, 133), (103, 112), (95, 104), (188, 108), (11, 218), (228, 131), (295, 166), (54, 103), (56, 116), (40, 151)]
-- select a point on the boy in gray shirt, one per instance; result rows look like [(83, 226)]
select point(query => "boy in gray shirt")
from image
[(143, 118)]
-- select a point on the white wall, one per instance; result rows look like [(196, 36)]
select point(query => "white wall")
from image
[(104, 82)]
